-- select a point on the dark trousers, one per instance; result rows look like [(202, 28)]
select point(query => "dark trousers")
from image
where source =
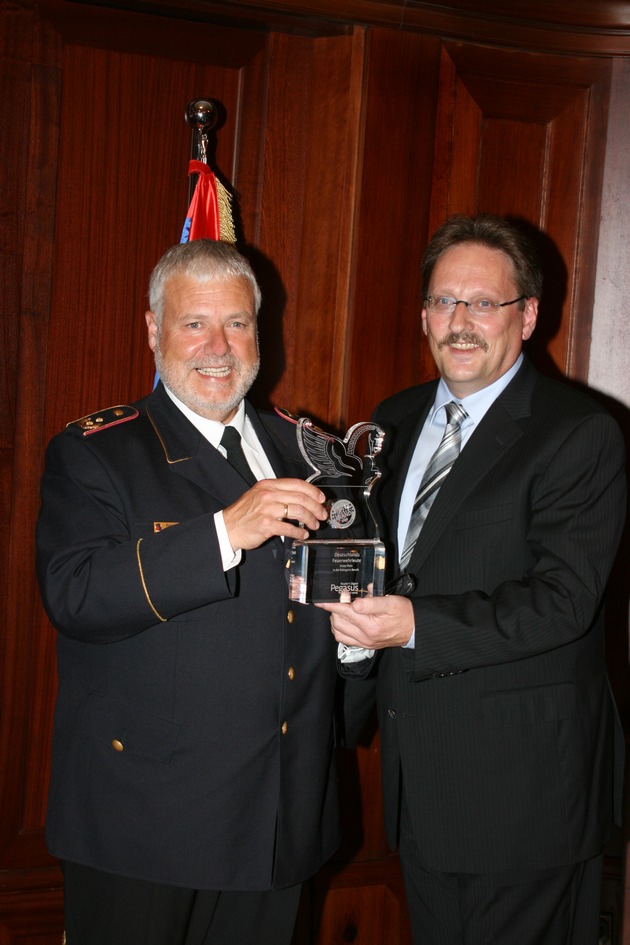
[(104, 909), (558, 906)]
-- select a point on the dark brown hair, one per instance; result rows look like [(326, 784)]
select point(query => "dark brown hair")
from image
[(495, 233)]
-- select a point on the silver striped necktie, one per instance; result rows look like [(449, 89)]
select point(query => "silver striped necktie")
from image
[(434, 475)]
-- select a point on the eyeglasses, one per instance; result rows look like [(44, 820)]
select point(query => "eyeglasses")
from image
[(446, 305)]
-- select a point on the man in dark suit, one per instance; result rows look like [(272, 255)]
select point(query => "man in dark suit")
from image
[(501, 748), (192, 788)]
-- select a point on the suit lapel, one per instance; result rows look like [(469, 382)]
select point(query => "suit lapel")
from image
[(407, 434), (188, 453), (282, 453), (500, 428)]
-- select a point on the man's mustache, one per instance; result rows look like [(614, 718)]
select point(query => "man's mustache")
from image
[(463, 337)]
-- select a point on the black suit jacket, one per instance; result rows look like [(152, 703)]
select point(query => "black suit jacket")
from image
[(193, 672), (501, 719)]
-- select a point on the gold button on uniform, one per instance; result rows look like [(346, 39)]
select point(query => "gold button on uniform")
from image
[(291, 673), (117, 746), (284, 728), (290, 616)]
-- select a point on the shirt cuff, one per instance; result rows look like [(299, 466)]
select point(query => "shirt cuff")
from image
[(229, 557), (353, 654), (411, 642)]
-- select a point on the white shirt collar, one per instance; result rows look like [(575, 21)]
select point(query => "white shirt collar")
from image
[(212, 430), (476, 404)]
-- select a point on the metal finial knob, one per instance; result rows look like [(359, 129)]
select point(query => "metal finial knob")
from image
[(201, 114)]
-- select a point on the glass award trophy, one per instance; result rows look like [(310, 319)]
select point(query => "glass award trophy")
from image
[(348, 564)]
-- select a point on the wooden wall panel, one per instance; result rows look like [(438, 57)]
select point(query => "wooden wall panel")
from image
[(31, 918), (27, 232), (122, 196), (392, 217), (322, 324), (309, 183), (364, 909), (526, 138)]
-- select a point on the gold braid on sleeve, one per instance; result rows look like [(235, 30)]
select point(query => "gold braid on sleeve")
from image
[(144, 585)]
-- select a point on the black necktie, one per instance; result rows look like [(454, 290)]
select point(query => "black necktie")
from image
[(231, 443), (435, 474)]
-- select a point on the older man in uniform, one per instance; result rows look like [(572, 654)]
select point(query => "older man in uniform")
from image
[(192, 784)]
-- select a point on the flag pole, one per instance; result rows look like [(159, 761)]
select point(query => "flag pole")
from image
[(210, 203), (201, 115)]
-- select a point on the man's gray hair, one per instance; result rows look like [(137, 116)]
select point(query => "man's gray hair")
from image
[(203, 261)]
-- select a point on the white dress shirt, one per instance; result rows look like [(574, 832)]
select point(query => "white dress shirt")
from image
[(476, 406), (212, 430)]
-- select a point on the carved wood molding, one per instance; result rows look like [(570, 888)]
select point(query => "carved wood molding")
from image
[(601, 28)]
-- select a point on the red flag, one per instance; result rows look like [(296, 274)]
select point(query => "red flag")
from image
[(202, 219), (210, 212)]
